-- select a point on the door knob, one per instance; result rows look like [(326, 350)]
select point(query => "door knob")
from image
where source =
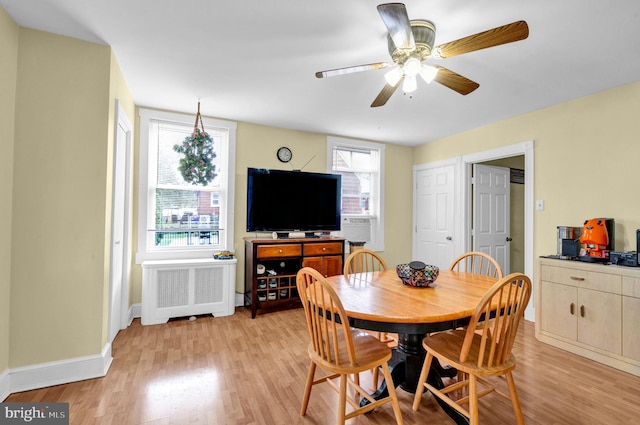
[(509, 239), (449, 238)]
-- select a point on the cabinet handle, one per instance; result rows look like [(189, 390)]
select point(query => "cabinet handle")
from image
[(572, 308), (324, 249), (581, 311), (576, 278), (280, 251)]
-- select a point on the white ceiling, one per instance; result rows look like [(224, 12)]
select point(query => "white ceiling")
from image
[(255, 60)]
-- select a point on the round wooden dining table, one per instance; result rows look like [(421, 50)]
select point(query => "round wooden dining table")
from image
[(379, 301)]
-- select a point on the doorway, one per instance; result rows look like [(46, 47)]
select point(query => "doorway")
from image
[(525, 150), (120, 220), (461, 192)]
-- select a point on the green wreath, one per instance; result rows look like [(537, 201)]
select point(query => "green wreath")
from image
[(197, 165)]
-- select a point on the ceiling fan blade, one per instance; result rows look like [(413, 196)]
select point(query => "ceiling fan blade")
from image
[(385, 94), (350, 69), (509, 33), (395, 18), (455, 81)]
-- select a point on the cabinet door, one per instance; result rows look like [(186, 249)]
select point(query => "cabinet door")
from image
[(558, 316), (630, 323), (314, 262), (600, 320), (333, 265), (330, 265)]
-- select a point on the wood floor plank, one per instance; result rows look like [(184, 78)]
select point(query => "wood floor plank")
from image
[(235, 370)]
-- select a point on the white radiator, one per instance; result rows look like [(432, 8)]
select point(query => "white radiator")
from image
[(176, 288)]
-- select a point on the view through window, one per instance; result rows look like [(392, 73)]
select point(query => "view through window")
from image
[(185, 214), (361, 165), (175, 215)]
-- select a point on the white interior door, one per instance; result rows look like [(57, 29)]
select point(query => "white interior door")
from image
[(119, 288), (435, 216), (491, 209)]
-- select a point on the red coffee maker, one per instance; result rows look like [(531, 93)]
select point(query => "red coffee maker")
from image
[(594, 240)]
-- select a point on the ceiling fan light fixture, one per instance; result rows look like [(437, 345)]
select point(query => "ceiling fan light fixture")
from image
[(410, 84), (428, 72), (412, 66), (394, 76)]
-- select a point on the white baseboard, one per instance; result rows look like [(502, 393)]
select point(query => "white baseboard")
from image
[(4, 385), (239, 300), (134, 311), (56, 373)]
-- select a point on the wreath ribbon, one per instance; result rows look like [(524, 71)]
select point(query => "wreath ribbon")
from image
[(196, 167)]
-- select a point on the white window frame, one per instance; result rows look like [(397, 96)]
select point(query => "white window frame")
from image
[(377, 186), (146, 202)]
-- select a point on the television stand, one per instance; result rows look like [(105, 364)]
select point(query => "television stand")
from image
[(272, 286)]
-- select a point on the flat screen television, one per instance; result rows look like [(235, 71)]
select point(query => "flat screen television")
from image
[(280, 201)]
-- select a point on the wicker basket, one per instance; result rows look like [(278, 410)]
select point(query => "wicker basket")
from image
[(417, 273)]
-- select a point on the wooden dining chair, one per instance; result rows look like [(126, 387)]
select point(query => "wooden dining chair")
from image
[(478, 263), (362, 261), (480, 352), (342, 352)]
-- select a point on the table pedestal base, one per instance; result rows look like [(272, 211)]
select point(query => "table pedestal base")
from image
[(405, 365)]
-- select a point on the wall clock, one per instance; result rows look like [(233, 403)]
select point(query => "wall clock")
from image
[(284, 154)]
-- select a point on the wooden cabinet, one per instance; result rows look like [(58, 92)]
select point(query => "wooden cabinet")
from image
[(631, 317), (327, 257), (591, 310), (271, 266)]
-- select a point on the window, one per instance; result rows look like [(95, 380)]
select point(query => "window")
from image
[(361, 165), (178, 219)]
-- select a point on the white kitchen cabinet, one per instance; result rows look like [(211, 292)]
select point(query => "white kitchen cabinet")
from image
[(591, 310), (631, 317)]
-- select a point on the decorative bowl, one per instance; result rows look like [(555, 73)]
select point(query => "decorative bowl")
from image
[(417, 273)]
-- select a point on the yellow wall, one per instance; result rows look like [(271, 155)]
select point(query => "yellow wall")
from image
[(256, 146), (586, 153), (62, 168), (8, 75)]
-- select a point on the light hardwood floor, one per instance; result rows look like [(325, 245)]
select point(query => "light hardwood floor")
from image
[(235, 370)]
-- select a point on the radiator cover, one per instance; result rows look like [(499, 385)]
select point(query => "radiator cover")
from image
[(176, 288)]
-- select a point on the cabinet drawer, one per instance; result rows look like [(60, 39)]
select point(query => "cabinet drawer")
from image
[(322, 248), (582, 278), (274, 251)]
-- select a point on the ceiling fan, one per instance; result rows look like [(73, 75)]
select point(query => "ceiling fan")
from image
[(411, 43)]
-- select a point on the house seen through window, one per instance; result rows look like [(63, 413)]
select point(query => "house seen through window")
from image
[(361, 165)]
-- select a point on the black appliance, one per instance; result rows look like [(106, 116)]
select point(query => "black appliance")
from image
[(629, 259), (638, 245), (568, 242)]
